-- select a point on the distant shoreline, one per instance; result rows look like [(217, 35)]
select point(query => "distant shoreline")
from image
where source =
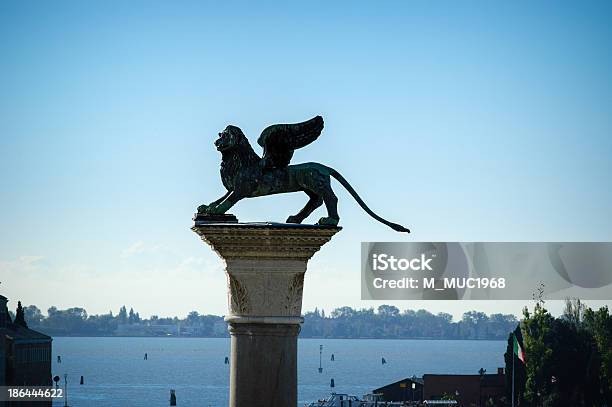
[(387, 322), (306, 337)]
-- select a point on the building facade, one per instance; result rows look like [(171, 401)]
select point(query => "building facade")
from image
[(408, 389), (469, 390), (25, 354)]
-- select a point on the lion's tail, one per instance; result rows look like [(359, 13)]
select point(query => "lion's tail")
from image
[(349, 188)]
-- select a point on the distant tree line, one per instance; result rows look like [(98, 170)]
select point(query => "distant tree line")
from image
[(76, 322), (568, 359), (344, 322), (389, 322)]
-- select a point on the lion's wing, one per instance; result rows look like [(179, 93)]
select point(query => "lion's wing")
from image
[(279, 141)]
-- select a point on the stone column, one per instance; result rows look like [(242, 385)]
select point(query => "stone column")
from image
[(265, 265)]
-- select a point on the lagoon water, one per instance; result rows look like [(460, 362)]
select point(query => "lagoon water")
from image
[(116, 373)]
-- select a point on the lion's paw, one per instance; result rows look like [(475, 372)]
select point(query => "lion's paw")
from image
[(328, 221), (293, 219)]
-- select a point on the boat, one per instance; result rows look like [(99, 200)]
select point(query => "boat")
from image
[(346, 400)]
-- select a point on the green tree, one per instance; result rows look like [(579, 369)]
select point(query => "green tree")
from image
[(568, 370), (132, 317), (33, 316), (388, 311), (193, 318), (563, 359), (574, 311), (343, 312), (122, 316), (599, 325), (536, 328)]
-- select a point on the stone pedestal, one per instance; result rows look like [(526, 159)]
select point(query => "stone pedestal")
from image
[(265, 265)]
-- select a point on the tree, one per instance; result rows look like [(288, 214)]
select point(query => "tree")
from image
[(448, 318), (475, 317), (574, 311), (193, 318), (568, 369), (33, 315), (562, 359), (474, 325), (388, 311), (599, 325), (66, 322), (131, 316), (122, 316), (343, 312), (20, 316), (538, 353)]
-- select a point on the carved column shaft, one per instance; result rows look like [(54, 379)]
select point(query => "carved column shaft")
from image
[(265, 267)]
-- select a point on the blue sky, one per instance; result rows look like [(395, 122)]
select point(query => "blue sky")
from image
[(468, 121)]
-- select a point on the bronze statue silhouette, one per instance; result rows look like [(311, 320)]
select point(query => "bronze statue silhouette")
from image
[(245, 174)]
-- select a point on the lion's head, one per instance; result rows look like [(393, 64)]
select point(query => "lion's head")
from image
[(230, 138)]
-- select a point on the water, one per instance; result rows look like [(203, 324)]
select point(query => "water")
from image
[(116, 374)]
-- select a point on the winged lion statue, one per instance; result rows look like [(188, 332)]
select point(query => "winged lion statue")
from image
[(245, 174)]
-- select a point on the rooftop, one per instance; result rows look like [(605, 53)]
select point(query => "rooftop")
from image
[(18, 333), (418, 380)]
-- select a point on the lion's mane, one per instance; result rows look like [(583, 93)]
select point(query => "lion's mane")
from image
[(237, 159)]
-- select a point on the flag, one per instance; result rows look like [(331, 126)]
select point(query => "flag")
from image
[(518, 351)]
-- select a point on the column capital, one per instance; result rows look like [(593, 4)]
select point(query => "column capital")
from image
[(265, 265), (265, 240)]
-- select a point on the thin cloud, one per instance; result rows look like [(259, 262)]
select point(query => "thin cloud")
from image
[(134, 249), (23, 264), (141, 247)]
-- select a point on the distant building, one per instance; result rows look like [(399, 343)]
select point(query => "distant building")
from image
[(165, 329), (468, 390), (25, 355), (408, 389), (136, 329)]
